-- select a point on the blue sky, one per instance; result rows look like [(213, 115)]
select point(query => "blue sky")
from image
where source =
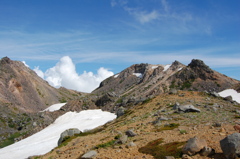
[(115, 34)]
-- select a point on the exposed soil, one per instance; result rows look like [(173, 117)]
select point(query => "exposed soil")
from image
[(210, 124)]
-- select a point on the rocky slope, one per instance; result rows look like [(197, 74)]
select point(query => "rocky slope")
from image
[(156, 129), (22, 95)]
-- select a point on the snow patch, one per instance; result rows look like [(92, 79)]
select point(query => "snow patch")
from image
[(180, 69), (154, 67), (139, 75), (166, 67), (231, 92), (54, 107), (115, 76), (45, 140)]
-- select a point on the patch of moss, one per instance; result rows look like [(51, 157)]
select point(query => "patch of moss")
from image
[(105, 145), (10, 140), (159, 151), (147, 101), (168, 127), (62, 100)]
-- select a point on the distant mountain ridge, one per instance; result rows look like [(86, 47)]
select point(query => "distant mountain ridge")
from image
[(142, 81)]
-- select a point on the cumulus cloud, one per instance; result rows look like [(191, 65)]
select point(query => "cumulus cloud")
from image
[(64, 74), (39, 72)]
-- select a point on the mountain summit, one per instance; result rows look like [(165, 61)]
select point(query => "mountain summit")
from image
[(142, 81)]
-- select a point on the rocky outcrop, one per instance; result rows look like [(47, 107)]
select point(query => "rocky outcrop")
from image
[(185, 108), (68, 133), (231, 146)]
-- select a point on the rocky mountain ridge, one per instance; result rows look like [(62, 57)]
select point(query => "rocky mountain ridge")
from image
[(140, 82)]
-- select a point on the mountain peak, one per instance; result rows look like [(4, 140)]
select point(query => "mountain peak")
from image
[(5, 60), (199, 65)]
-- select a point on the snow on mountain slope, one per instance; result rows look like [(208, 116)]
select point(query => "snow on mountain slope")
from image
[(54, 107), (45, 140), (231, 92)]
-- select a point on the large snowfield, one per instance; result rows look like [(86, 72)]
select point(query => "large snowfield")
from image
[(231, 92), (45, 140)]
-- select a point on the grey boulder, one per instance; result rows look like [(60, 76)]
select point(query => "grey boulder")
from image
[(68, 133), (194, 145), (230, 146), (89, 154), (187, 108)]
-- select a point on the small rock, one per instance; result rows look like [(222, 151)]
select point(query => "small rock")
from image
[(169, 157), (207, 151), (222, 134), (173, 91), (131, 144), (176, 105), (89, 154), (217, 124), (185, 156)]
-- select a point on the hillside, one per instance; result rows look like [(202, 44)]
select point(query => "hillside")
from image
[(22, 95), (157, 121)]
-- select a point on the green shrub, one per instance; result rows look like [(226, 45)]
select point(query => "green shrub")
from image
[(105, 145)]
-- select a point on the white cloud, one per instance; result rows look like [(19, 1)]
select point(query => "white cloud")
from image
[(113, 3), (39, 72), (25, 63), (64, 74), (144, 17), (165, 5)]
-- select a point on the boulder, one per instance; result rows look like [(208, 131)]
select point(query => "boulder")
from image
[(68, 133), (187, 108), (230, 146), (194, 145), (122, 140), (130, 133), (120, 112), (89, 154), (131, 144), (173, 91), (169, 157)]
